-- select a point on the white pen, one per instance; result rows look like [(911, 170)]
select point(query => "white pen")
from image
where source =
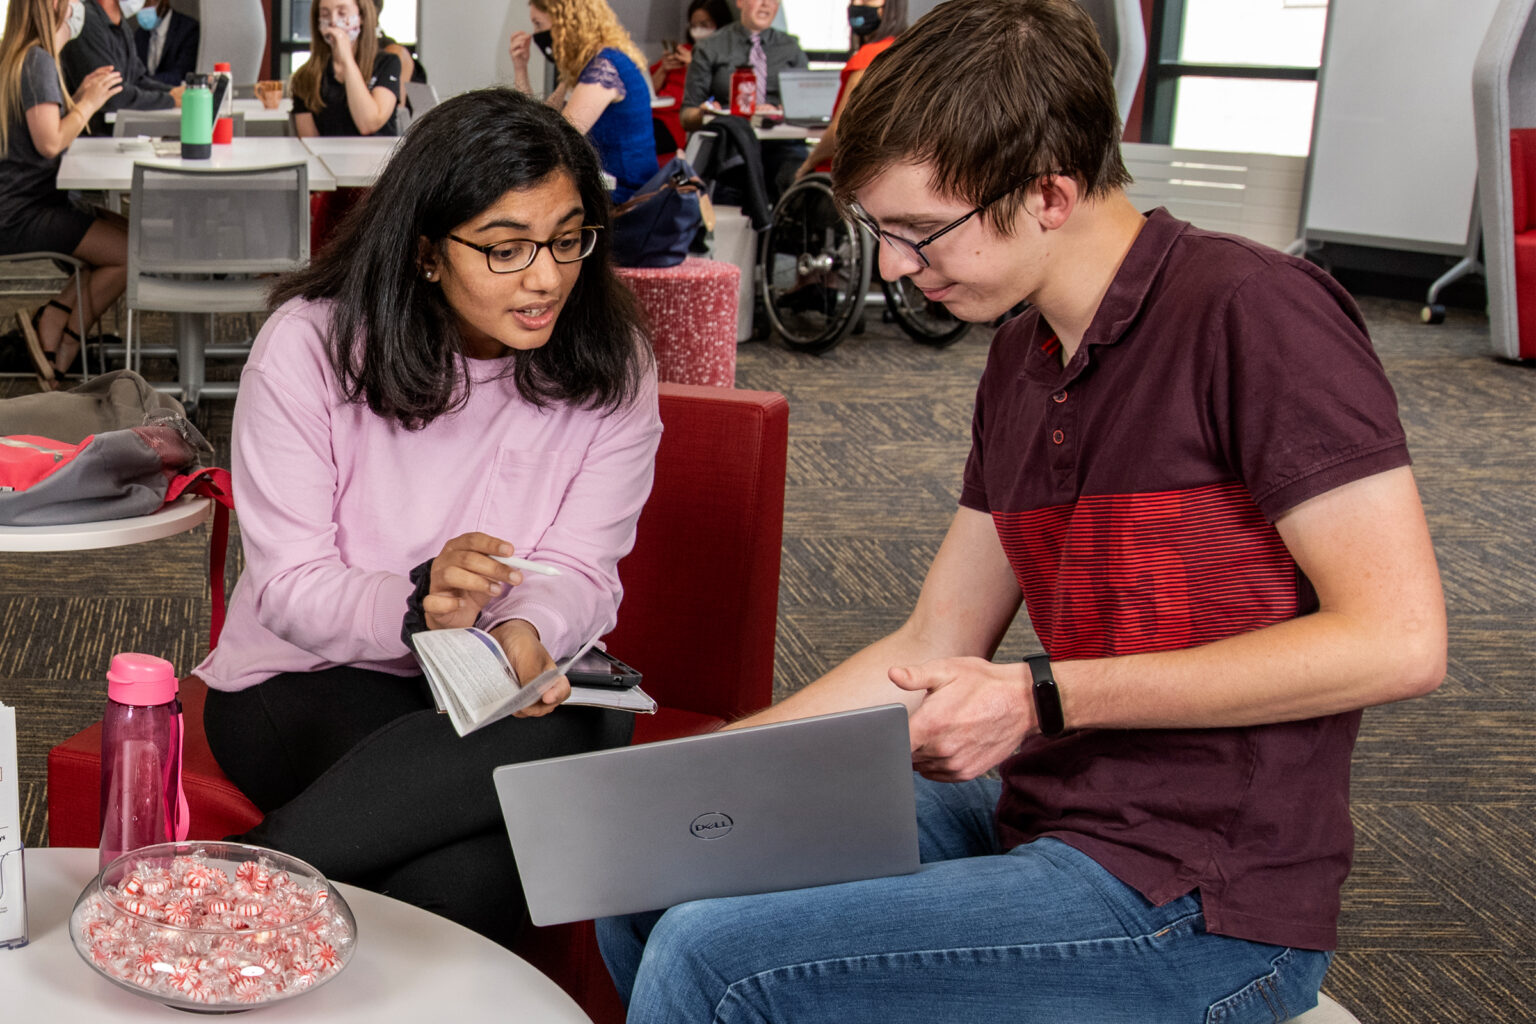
[(527, 566)]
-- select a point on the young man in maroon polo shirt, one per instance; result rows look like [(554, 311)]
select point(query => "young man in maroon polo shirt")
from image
[(1187, 466)]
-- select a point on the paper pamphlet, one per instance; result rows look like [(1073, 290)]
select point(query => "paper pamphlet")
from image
[(472, 681), (13, 882)]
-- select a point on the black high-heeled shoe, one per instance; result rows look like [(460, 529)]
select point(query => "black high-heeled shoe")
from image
[(49, 378)]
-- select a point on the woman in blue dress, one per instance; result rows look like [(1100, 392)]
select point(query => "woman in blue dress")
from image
[(604, 89)]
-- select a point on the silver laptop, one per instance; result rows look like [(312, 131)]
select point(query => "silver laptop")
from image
[(808, 96), (783, 806)]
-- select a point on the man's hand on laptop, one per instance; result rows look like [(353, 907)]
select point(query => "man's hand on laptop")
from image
[(973, 715)]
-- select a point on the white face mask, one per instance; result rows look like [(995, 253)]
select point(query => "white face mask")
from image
[(76, 18), (130, 8), (699, 33), (353, 26)]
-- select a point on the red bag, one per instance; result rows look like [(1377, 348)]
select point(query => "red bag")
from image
[(115, 474)]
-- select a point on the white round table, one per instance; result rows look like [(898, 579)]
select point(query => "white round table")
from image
[(183, 515), (410, 966)]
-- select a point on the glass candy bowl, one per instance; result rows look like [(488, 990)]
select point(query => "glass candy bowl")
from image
[(213, 927)]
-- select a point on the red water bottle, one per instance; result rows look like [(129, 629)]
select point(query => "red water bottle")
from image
[(224, 125), (743, 92)]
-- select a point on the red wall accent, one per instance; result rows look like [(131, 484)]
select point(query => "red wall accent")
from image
[(1132, 131)]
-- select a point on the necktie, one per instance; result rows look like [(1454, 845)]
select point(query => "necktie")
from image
[(759, 61)]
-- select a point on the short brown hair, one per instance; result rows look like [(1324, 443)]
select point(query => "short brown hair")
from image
[(987, 92)]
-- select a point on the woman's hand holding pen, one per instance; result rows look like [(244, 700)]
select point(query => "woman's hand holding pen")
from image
[(464, 577)]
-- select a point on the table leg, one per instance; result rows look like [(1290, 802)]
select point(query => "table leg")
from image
[(191, 338)]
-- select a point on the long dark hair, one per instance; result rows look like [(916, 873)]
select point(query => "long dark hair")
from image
[(893, 22), (718, 10), (394, 341)]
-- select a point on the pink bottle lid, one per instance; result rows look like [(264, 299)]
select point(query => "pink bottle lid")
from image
[(141, 680)]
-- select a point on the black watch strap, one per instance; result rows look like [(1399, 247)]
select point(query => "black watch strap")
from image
[(1047, 697)]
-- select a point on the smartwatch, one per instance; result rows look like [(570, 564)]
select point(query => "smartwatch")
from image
[(1047, 697)]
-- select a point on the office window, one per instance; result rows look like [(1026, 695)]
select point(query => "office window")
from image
[(1237, 75), (821, 26)]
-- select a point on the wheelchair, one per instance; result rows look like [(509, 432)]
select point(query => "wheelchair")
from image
[(814, 271)]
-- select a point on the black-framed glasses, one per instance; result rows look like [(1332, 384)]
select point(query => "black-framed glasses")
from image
[(516, 254), (914, 250)]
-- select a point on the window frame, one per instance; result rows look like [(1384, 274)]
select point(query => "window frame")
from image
[(1165, 71)]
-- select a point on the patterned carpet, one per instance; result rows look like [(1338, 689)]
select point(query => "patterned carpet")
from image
[(1440, 913)]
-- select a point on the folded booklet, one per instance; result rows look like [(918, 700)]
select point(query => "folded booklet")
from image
[(474, 683)]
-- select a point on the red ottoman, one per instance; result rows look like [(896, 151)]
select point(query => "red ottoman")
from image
[(692, 308)]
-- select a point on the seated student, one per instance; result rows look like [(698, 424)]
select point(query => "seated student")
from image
[(602, 90), (332, 94), (38, 121), (875, 27), (166, 41), (1187, 464), (705, 17), (411, 69), (106, 39), (750, 42), (462, 375)]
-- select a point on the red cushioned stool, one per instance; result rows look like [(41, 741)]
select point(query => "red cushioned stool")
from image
[(692, 308)]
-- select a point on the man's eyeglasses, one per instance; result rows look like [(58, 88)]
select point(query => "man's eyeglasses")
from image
[(519, 253), (914, 250)]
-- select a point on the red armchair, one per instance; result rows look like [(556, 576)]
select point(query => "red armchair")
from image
[(1522, 167), (700, 607)]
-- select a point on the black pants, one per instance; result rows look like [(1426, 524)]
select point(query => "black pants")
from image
[(360, 776)]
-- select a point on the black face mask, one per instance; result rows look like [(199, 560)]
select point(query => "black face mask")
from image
[(865, 21), (545, 41)]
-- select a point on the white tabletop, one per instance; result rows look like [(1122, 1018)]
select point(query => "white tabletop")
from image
[(109, 533), (355, 161), (108, 163), (410, 966), (251, 108)]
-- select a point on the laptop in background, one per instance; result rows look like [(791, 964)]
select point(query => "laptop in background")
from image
[(808, 96), (784, 806)]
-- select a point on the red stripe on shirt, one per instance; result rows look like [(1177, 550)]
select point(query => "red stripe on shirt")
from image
[(1128, 573)]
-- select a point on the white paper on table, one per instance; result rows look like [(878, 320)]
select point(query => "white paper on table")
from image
[(13, 887)]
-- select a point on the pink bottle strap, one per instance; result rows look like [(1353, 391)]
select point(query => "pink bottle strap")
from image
[(183, 812)]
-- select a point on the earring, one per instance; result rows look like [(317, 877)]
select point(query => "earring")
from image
[(431, 275)]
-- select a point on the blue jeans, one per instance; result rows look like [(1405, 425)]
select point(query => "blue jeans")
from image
[(1040, 933)]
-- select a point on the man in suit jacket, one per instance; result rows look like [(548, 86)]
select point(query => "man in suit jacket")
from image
[(107, 39), (167, 42)]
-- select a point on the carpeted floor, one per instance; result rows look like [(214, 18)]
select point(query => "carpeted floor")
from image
[(1440, 913)]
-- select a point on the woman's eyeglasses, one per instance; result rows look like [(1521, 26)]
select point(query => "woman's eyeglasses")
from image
[(519, 253)]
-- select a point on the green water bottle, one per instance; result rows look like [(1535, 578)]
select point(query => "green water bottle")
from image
[(196, 119)]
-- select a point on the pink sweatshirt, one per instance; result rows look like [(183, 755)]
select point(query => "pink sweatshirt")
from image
[(337, 505)]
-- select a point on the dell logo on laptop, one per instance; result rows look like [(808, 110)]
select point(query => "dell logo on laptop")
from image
[(711, 825)]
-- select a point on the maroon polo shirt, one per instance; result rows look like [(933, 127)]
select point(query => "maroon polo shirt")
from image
[(1220, 384)]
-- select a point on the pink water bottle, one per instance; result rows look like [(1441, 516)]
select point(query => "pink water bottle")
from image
[(141, 798)]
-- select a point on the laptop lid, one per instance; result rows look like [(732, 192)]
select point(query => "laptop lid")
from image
[(773, 807), (809, 96)]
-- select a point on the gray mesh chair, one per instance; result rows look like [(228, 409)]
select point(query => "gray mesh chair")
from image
[(159, 124), (197, 239)]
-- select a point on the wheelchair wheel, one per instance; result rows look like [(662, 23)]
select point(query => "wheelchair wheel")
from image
[(814, 268), (927, 323)]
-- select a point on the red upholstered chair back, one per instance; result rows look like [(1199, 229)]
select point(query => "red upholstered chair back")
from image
[(701, 594), (701, 587), (1522, 166)]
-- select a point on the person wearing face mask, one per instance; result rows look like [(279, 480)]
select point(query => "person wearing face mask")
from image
[(705, 18), (106, 38), (349, 85), (875, 24), (751, 42), (166, 41), (602, 90), (38, 121)]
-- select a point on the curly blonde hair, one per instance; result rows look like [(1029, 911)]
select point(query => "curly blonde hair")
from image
[(579, 29)]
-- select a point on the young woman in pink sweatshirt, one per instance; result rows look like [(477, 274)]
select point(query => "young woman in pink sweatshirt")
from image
[(462, 376)]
